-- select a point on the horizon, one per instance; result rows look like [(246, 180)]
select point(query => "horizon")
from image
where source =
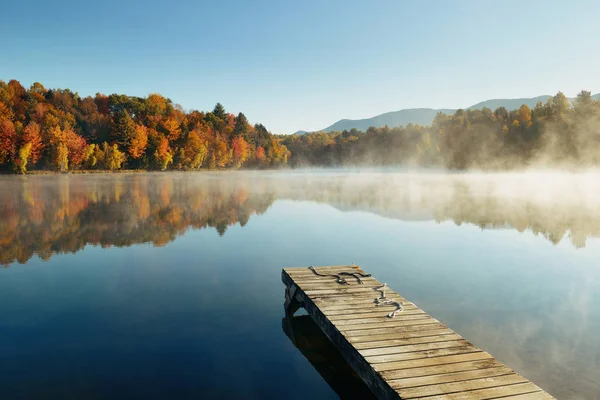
[(304, 67)]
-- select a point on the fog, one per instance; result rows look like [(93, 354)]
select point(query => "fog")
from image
[(48, 214), (554, 204)]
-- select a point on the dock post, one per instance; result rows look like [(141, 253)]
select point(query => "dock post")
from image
[(291, 305), (291, 302)]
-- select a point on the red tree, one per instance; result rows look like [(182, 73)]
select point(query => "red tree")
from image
[(8, 141), (76, 147)]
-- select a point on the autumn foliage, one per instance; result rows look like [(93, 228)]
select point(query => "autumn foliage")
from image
[(59, 130), (561, 132)]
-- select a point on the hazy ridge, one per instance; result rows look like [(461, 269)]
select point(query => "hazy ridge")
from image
[(424, 116)]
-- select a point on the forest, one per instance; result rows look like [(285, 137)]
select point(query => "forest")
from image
[(560, 133), (57, 130)]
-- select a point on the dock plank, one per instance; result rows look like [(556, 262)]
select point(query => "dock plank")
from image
[(435, 353), (410, 356), (413, 347), (427, 380), (389, 366), (380, 313), (367, 323), (489, 393), (382, 345), (463, 386)]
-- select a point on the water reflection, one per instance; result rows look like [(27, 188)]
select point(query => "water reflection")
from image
[(45, 215), (306, 335)]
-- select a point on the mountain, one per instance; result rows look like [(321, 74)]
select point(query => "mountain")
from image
[(509, 104), (417, 116), (424, 116)]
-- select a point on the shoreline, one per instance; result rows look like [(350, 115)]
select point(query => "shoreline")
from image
[(120, 171)]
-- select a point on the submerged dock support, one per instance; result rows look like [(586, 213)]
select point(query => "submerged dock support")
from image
[(292, 304)]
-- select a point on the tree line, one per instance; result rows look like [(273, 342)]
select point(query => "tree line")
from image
[(560, 132), (59, 130)]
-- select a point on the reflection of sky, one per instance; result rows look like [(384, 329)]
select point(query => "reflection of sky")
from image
[(204, 310)]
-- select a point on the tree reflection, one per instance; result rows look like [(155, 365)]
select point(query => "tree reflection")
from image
[(62, 214)]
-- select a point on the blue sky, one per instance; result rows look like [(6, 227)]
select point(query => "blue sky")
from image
[(305, 64)]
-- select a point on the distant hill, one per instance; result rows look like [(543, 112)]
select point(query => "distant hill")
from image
[(417, 116), (424, 116), (509, 104)]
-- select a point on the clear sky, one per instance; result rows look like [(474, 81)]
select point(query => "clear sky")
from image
[(305, 64)]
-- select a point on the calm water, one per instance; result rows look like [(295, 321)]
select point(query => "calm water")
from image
[(168, 285)]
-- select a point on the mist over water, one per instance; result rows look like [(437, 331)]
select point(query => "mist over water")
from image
[(156, 281)]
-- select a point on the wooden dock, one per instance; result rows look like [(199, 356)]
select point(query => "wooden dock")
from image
[(408, 356)]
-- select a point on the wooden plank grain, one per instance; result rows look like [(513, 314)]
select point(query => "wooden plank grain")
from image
[(351, 308), (440, 369), (449, 377), (374, 313), (541, 395), (343, 290), (396, 336), (461, 386), (431, 353), (364, 295), (305, 272), (388, 323), (413, 347), (383, 318), (383, 345), (398, 330), (319, 283), (489, 393), (421, 355), (388, 366)]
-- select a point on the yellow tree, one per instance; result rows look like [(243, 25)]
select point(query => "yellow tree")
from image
[(172, 128), (163, 153), (32, 135), (23, 157), (220, 151), (524, 116), (65, 146), (114, 158), (138, 142), (156, 104), (194, 151)]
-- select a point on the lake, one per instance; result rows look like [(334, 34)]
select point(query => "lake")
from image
[(157, 285)]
